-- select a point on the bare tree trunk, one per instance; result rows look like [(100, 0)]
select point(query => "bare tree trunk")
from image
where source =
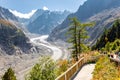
[(79, 42), (76, 48)]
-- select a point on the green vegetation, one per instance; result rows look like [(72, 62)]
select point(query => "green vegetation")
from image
[(78, 35), (110, 42), (47, 69), (109, 36), (44, 70), (113, 46), (105, 70), (9, 75)]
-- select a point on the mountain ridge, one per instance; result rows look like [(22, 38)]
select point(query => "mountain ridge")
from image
[(85, 13), (46, 21)]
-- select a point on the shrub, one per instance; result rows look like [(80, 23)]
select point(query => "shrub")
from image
[(62, 67), (105, 70)]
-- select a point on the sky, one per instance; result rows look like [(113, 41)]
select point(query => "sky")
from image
[(30, 6)]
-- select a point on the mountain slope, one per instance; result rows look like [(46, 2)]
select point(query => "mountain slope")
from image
[(43, 22), (109, 35), (13, 40), (26, 21), (7, 15), (103, 12)]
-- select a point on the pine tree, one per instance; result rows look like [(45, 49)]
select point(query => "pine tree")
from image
[(109, 35), (78, 34), (9, 75), (82, 35), (73, 37)]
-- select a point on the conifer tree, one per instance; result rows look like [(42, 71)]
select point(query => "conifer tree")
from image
[(78, 34), (73, 37), (9, 75), (82, 35), (109, 35)]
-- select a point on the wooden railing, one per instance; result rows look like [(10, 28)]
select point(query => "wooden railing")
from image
[(73, 69)]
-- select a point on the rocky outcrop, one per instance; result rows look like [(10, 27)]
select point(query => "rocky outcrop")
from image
[(13, 40)]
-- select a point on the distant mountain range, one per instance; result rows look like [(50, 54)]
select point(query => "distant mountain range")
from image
[(44, 21), (103, 12)]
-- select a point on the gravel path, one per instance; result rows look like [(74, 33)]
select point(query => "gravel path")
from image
[(85, 73)]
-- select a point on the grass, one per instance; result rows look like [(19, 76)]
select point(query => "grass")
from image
[(105, 70)]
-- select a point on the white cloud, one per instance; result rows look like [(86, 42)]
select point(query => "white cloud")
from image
[(21, 15), (45, 8)]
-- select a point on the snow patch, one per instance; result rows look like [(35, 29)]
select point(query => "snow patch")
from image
[(21, 15), (45, 8)]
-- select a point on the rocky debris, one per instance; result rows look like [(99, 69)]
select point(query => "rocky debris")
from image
[(13, 40)]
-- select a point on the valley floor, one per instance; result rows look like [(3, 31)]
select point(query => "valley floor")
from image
[(18, 63), (23, 63)]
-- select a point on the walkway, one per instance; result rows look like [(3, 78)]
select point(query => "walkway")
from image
[(85, 73)]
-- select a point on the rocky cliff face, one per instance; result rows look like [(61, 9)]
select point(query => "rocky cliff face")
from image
[(13, 40), (43, 22), (103, 12)]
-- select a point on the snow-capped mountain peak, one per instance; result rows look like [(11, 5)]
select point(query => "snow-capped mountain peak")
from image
[(22, 15)]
